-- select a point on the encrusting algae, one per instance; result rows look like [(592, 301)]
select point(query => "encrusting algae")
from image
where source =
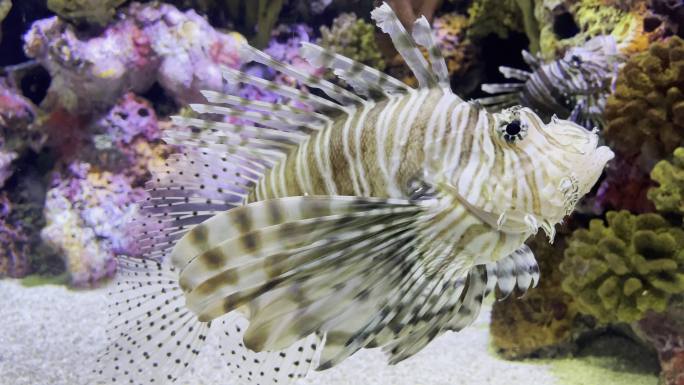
[(619, 270)]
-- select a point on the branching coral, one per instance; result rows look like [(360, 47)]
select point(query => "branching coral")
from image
[(354, 38), (669, 195), (87, 213), (540, 323), (646, 111), (98, 12), (619, 271)]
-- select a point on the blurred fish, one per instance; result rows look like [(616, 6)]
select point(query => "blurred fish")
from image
[(575, 86), (375, 218)]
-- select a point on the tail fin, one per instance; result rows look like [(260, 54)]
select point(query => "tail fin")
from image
[(152, 336)]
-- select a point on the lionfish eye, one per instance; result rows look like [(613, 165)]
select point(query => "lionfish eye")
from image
[(513, 131), (576, 60)]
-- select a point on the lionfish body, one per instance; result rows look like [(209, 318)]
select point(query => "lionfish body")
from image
[(576, 86), (379, 218)]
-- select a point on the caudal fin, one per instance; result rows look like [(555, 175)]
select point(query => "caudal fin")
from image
[(152, 336)]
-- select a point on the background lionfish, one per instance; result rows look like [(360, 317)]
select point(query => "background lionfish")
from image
[(379, 218), (575, 86)]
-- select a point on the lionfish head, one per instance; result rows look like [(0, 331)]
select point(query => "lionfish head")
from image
[(542, 169)]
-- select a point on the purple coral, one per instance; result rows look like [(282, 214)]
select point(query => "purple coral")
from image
[(17, 131), (14, 248), (87, 213), (149, 43)]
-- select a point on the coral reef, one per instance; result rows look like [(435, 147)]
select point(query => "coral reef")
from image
[(87, 213), (619, 271), (493, 17), (565, 24), (354, 38), (18, 132), (14, 248), (458, 51), (669, 195), (645, 114), (150, 42), (127, 140), (665, 332), (98, 12), (542, 322)]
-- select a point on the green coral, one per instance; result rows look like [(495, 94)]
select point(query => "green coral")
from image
[(98, 12), (669, 195), (354, 38), (620, 271), (647, 108)]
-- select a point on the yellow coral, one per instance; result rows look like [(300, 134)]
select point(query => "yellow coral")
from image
[(619, 271), (669, 195), (647, 108)]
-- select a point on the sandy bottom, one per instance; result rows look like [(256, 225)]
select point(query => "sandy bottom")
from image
[(50, 335)]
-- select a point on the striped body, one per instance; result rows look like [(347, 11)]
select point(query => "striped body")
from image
[(575, 86), (375, 218)]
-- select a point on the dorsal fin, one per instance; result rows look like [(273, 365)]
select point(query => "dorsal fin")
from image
[(422, 34), (389, 23)]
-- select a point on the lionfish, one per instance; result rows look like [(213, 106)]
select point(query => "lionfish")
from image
[(576, 86), (379, 215)]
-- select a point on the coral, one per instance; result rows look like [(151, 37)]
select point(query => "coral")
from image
[(619, 271), (645, 114), (18, 132), (542, 322), (566, 24), (149, 43), (666, 17), (457, 49), (87, 213), (669, 195), (665, 332), (625, 187), (494, 16), (14, 248), (354, 38), (127, 140), (98, 12)]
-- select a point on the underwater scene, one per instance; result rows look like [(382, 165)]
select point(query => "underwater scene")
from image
[(342, 192)]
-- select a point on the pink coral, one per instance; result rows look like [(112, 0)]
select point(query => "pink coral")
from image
[(149, 43), (87, 213)]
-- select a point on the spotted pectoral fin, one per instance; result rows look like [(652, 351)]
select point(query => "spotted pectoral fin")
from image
[(280, 367), (517, 270)]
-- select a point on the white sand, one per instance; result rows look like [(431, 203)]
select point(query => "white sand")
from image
[(49, 335)]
